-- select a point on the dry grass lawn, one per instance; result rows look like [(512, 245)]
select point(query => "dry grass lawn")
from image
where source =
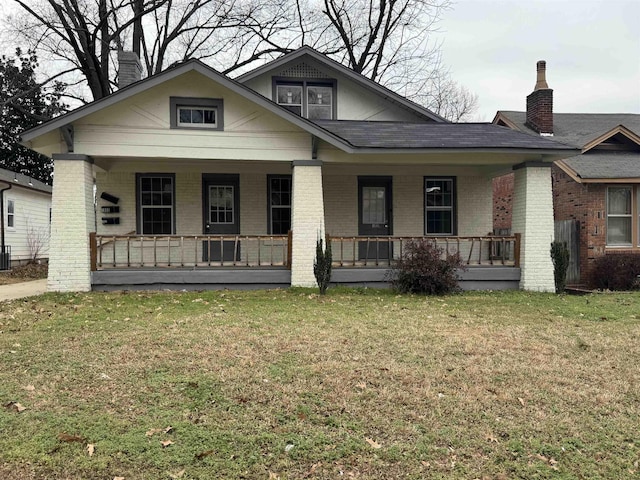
[(286, 384)]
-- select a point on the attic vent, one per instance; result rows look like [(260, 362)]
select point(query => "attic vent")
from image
[(302, 70)]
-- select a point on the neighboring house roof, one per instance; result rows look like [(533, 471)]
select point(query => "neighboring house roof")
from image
[(603, 166), (358, 78), (576, 129), (586, 131), (396, 135), (23, 181)]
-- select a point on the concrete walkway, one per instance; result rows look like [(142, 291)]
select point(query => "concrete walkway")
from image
[(24, 289)]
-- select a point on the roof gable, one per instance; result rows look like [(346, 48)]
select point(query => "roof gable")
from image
[(302, 63), (619, 136)]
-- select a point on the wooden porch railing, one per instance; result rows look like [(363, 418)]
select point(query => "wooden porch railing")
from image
[(140, 251), (362, 251)]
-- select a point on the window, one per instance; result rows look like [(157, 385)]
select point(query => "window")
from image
[(439, 210), (310, 99), (198, 113), (197, 117), (279, 188), (221, 204), (11, 209), (620, 216), (156, 194)]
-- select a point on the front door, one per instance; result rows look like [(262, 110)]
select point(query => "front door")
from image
[(374, 216), (221, 209)]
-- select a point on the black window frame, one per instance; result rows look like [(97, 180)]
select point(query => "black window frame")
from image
[(270, 206), (195, 103), (140, 207), (453, 208), (305, 83)]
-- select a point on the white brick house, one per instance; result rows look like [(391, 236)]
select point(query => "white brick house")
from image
[(206, 182)]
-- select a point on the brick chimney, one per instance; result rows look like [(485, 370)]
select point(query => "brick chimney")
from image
[(129, 68), (540, 103)]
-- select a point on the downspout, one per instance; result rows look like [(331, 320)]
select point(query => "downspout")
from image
[(2, 216)]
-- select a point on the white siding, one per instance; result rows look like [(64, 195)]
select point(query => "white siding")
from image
[(31, 224)]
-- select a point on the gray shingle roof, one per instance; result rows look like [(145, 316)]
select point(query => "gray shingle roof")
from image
[(594, 164), (9, 176), (397, 135), (578, 129)]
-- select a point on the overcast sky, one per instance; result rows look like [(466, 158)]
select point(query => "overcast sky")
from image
[(592, 50)]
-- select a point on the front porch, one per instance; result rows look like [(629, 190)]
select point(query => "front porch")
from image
[(202, 262)]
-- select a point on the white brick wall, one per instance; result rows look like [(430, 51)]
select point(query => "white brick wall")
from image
[(71, 221), (475, 206), (307, 223), (533, 218)]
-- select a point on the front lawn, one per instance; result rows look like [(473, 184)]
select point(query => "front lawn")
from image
[(286, 384)]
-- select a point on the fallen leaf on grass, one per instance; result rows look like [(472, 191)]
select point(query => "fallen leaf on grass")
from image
[(521, 400), (29, 388), (118, 478), (206, 453), (166, 443), (90, 449), (177, 474), (373, 443), (65, 437), (153, 431), (15, 406)]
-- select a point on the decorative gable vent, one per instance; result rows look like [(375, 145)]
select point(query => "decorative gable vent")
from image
[(302, 70)]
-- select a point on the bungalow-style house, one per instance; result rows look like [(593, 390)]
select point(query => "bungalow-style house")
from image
[(203, 181), (598, 189), (25, 206)]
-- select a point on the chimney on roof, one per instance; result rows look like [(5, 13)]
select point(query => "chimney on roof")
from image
[(129, 68), (540, 103)]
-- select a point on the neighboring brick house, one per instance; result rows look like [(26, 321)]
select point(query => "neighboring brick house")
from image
[(200, 178), (600, 188)]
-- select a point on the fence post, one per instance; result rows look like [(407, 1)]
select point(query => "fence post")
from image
[(516, 249), (93, 251)]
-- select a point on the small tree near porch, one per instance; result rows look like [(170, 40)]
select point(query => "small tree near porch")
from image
[(322, 265)]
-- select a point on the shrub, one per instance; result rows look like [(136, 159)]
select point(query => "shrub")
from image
[(322, 265), (617, 272), (424, 268), (560, 259)]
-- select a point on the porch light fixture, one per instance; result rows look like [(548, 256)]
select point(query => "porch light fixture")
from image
[(15, 177), (30, 182)]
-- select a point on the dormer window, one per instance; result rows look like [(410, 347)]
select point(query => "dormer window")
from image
[(313, 99), (196, 113)]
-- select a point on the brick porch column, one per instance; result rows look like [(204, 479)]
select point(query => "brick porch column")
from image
[(533, 218), (307, 220), (72, 218)]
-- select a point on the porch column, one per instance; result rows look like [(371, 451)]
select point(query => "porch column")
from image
[(307, 220), (72, 218), (532, 217)]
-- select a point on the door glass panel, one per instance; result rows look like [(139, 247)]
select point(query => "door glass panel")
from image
[(221, 207), (374, 205)]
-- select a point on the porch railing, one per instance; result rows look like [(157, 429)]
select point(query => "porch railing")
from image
[(140, 251), (362, 251)]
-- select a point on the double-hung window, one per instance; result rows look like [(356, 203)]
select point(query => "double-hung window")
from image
[(11, 213), (156, 203), (279, 204), (311, 99), (439, 206), (620, 216)]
